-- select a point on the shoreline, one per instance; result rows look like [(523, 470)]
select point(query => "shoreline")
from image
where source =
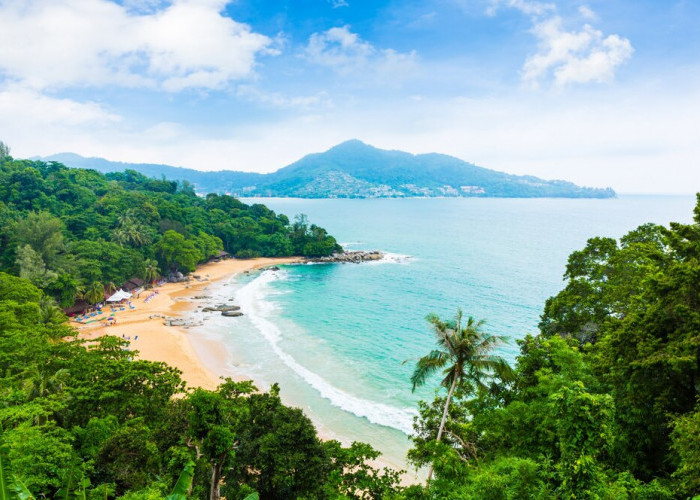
[(145, 329), (148, 334)]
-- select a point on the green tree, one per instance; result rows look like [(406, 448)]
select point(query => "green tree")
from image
[(32, 267), (129, 231), (686, 446), (129, 457), (95, 292), (585, 429), (150, 270), (43, 233), (4, 151), (176, 252), (280, 455), (40, 456), (464, 358), (215, 419), (64, 288)]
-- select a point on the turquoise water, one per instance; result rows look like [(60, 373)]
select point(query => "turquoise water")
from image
[(335, 336)]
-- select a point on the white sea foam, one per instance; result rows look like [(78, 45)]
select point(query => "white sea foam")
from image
[(392, 258), (251, 298), (350, 244)]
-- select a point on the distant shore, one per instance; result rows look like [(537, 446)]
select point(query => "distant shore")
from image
[(145, 329)]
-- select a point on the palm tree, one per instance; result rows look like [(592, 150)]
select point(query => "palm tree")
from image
[(40, 383), (80, 291), (150, 270), (130, 231), (95, 292), (464, 357), (50, 312)]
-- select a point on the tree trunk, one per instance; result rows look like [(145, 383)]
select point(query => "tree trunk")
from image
[(441, 429), (214, 490)]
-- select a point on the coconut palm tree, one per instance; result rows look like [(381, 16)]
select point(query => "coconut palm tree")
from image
[(150, 270), (40, 382), (95, 292), (129, 231), (464, 356), (50, 312)]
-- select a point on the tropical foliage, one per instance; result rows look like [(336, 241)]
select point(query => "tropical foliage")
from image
[(603, 402), (68, 230), (87, 420)]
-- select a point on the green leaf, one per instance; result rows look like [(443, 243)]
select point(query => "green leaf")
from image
[(5, 473), (20, 491), (184, 482)]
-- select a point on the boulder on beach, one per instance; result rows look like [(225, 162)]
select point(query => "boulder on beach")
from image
[(221, 308), (231, 314), (354, 257)]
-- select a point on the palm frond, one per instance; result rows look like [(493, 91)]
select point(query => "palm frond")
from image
[(427, 365)]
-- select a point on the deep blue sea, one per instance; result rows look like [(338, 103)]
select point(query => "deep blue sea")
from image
[(335, 336)]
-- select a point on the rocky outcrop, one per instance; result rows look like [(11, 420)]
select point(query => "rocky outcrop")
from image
[(221, 308), (354, 257), (177, 277), (231, 314), (181, 322)]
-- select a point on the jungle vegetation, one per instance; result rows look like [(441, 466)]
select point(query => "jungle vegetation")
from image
[(73, 231), (601, 402)]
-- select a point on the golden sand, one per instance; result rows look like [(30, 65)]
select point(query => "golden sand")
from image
[(170, 344)]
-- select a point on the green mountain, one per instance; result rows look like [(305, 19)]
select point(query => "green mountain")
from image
[(354, 169)]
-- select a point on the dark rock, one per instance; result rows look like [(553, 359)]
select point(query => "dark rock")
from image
[(228, 308), (354, 257)]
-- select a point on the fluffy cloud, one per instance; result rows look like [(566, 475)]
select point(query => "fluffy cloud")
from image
[(346, 52), (71, 43), (575, 56), (567, 56), (587, 13), (18, 105)]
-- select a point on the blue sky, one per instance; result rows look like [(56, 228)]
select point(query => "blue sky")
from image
[(603, 93)]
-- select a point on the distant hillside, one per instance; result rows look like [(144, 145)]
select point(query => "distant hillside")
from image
[(356, 170), (205, 182)]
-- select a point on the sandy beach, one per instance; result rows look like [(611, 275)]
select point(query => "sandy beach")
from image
[(144, 326), (154, 341)]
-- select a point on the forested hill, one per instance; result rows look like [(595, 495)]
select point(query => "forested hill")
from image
[(603, 402), (73, 232), (356, 170)]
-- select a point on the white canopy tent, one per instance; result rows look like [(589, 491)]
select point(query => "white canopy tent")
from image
[(119, 295)]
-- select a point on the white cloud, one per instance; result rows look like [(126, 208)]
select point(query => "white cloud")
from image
[(635, 139), (587, 13), (567, 56), (344, 51), (575, 56), (279, 100), (528, 7), (74, 43), (339, 3), (18, 105)]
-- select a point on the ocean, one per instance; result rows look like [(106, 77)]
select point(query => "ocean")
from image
[(342, 339)]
